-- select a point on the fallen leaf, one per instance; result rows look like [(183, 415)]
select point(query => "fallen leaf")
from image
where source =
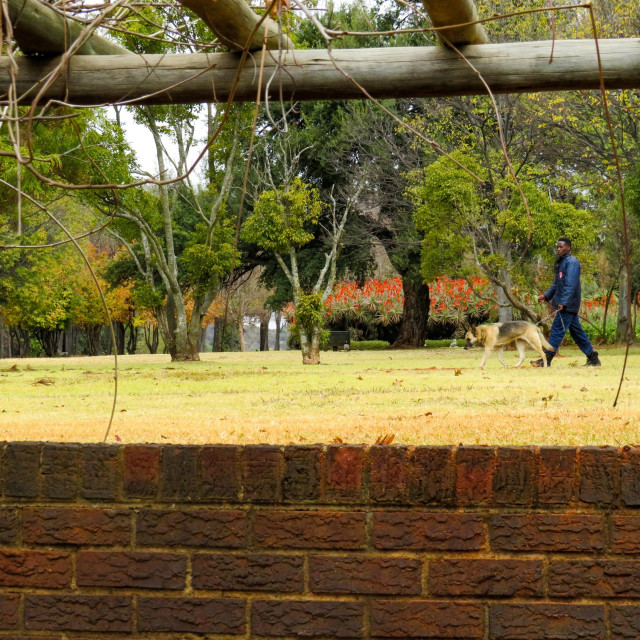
[(385, 439), (457, 372), (584, 389), (45, 381)]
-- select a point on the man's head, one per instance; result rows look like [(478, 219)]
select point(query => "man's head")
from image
[(563, 247)]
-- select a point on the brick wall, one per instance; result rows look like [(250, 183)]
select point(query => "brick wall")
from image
[(170, 542)]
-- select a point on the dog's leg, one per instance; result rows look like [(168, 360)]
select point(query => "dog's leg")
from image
[(520, 347), (538, 347), (487, 353), (500, 353)]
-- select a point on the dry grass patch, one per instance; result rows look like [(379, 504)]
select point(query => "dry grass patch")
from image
[(421, 396)]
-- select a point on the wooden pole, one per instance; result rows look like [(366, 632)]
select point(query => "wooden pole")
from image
[(233, 21), (444, 13), (311, 75), (40, 29)]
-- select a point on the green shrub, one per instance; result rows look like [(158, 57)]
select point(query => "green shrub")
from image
[(439, 344), (369, 345)]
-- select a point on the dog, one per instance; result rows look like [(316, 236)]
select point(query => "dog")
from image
[(497, 336)]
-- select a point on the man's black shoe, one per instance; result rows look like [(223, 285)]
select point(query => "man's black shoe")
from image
[(540, 362), (593, 360)]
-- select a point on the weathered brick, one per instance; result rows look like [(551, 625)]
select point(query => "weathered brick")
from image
[(14, 637), (191, 615), (594, 578), (428, 531), (201, 528), (625, 534), (343, 473), (180, 473), (557, 475), (22, 469), (310, 529), (78, 613), (141, 474), (9, 526), (426, 619), (547, 532), (493, 578), (301, 480), (60, 471), (9, 610), (100, 472), (542, 621), (514, 476), (220, 469), (262, 474), (77, 526), (432, 476), (625, 622), (362, 575), (475, 467), (131, 570), (255, 572), (307, 619), (599, 475), (45, 569), (388, 479), (630, 477)]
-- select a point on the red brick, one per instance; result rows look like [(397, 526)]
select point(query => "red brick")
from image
[(475, 467), (131, 570), (364, 575), (220, 469), (45, 569), (22, 469), (180, 479), (256, 572), (310, 529), (492, 578), (625, 534), (301, 481), (191, 615), (344, 465), (100, 472), (543, 621), (426, 619), (630, 477), (307, 618), (547, 532), (594, 579), (78, 613), (388, 474), (432, 476), (557, 475), (9, 526), (625, 622), (428, 531), (201, 528), (60, 471), (141, 477), (9, 610), (514, 476), (262, 474), (599, 475), (77, 526)]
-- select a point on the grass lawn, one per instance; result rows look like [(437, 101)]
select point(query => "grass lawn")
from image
[(419, 396)]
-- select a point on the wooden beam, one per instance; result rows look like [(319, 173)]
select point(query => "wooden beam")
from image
[(311, 75), (233, 22), (40, 29), (445, 13)]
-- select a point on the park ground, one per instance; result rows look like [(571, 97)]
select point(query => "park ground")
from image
[(421, 397)]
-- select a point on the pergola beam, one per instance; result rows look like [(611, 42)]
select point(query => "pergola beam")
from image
[(312, 75), (456, 12)]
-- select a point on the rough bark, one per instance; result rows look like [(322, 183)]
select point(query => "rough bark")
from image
[(415, 316)]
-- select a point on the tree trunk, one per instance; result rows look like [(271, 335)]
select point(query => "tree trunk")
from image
[(151, 337), (264, 331), (311, 347), (276, 346), (415, 316), (240, 326), (624, 321)]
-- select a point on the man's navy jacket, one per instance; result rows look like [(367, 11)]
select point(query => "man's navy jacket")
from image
[(566, 288)]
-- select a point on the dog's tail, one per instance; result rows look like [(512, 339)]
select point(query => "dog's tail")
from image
[(544, 342)]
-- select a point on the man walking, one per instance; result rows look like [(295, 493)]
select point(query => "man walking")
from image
[(564, 294)]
